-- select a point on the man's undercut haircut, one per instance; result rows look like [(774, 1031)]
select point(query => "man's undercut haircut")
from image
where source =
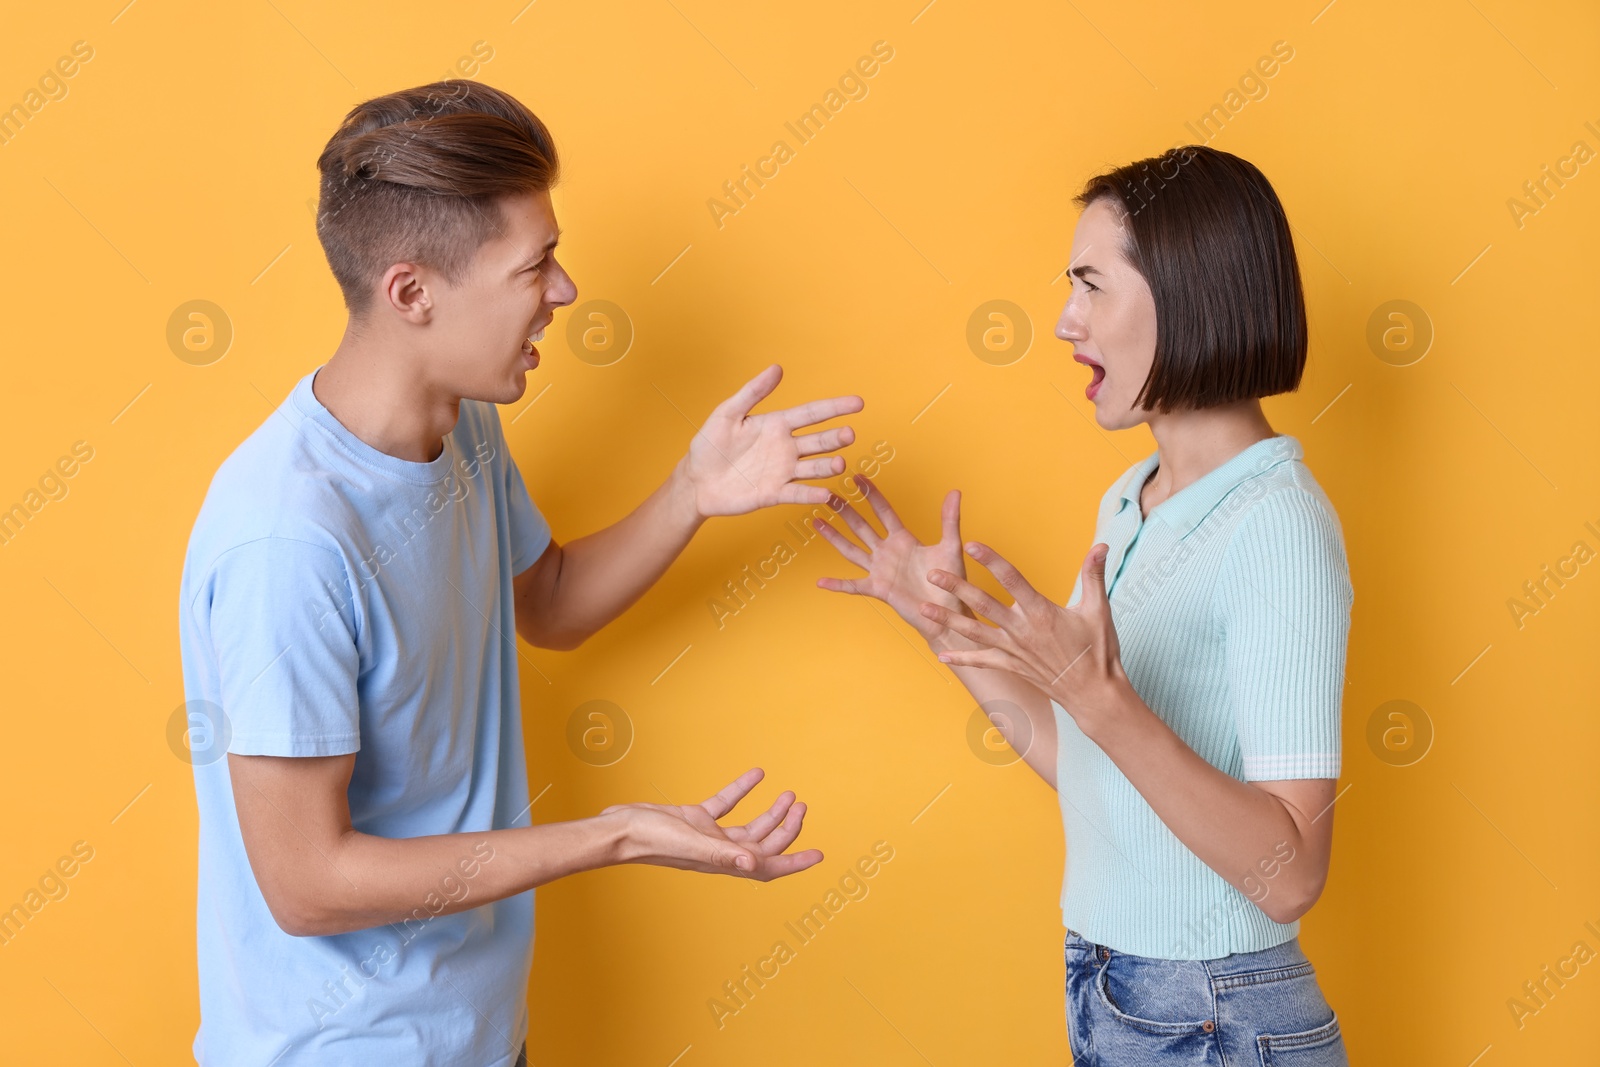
[(417, 176), (1206, 231)]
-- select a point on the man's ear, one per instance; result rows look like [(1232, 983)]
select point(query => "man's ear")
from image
[(405, 289)]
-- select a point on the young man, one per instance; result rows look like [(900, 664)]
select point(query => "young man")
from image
[(352, 594)]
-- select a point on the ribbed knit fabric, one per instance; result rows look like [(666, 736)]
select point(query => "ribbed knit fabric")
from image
[(1232, 604)]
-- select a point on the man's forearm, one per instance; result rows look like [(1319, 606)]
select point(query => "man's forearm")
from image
[(368, 881), (604, 573)]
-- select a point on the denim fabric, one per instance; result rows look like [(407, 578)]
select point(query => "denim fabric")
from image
[(1248, 1009)]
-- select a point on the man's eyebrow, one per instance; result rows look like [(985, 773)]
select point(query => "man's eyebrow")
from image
[(548, 245)]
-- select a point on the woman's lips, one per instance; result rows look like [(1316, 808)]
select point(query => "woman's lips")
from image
[(1099, 375)]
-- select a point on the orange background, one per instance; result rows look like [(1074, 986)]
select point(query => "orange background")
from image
[(179, 165)]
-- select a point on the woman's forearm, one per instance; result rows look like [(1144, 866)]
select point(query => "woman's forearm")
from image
[(1019, 709), (1274, 848)]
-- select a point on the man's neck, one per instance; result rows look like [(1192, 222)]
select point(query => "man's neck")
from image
[(376, 396)]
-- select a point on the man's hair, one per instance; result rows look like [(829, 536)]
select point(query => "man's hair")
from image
[(1206, 231), (417, 175)]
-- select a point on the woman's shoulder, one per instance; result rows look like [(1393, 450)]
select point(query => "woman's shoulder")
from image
[(1285, 522), (1286, 493)]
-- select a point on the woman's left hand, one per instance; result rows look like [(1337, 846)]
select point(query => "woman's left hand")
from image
[(1069, 653)]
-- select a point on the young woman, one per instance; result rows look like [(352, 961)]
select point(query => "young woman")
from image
[(1185, 702)]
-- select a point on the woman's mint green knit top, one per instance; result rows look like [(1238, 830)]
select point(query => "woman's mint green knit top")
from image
[(1231, 602)]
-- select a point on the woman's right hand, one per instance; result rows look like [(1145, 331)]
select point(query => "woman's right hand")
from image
[(897, 564)]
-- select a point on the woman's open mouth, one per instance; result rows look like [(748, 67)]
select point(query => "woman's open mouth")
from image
[(1099, 375)]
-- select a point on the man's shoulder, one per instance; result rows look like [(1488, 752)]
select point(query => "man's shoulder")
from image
[(275, 484)]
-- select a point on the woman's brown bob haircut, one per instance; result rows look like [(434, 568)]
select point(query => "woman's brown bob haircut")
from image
[(1207, 233), (417, 175)]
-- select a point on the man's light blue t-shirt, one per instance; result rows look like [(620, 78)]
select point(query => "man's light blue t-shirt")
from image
[(336, 599)]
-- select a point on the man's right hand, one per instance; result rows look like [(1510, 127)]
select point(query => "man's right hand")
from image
[(689, 837), (897, 564)]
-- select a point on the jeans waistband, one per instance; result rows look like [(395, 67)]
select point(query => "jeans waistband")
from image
[(1285, 954)]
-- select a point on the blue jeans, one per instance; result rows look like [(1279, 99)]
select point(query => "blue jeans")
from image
[(1248, 1009)]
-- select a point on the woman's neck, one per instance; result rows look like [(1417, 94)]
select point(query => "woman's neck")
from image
[(1192, 444)]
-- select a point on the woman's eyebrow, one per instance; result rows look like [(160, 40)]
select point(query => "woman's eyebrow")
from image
[(1085, 270)]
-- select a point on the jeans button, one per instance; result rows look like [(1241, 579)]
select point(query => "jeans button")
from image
[(1208, 1026), (1105, 953)]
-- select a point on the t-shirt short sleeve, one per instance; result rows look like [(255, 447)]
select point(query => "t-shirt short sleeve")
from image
[(530, 533), (1284, 599), (283, 630)]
